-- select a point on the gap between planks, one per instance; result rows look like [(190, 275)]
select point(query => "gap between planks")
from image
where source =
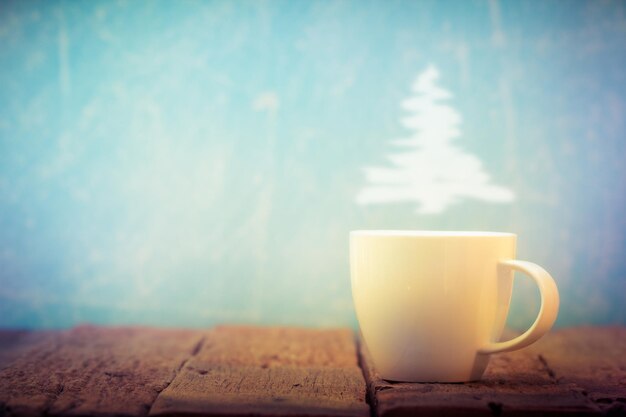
[(193, 353)]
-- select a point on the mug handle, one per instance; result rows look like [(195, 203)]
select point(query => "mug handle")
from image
[(547, 312)]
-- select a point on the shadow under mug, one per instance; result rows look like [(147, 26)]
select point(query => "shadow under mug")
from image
[(432, 305)]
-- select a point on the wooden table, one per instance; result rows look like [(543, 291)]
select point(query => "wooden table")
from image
[(263, 371)]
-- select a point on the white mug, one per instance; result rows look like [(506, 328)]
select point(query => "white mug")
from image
[(431, 305)]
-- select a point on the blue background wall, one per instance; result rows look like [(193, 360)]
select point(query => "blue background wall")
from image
[(183, 163)]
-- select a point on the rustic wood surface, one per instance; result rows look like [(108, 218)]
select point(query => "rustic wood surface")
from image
[(92, 371), (515, 383), (13, 343), (590, 360), (560, 376), (269, 371), (239, 370)]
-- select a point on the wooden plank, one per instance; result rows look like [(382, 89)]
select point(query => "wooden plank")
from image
[(94, 371), (592, 360), (269, 371), (514, 384), (245, 370), (14, 342)]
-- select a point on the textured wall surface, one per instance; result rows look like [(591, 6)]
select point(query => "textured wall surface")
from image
[(188, 163)]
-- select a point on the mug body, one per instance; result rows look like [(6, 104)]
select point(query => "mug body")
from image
[(427, 301)]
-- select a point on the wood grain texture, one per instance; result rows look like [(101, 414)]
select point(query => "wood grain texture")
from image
[(14, 342), (240, 370), (517, 383), (94, 371), (591, 360), (269, 371)]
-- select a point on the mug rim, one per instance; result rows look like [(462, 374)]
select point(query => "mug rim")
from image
[(429, 233)]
